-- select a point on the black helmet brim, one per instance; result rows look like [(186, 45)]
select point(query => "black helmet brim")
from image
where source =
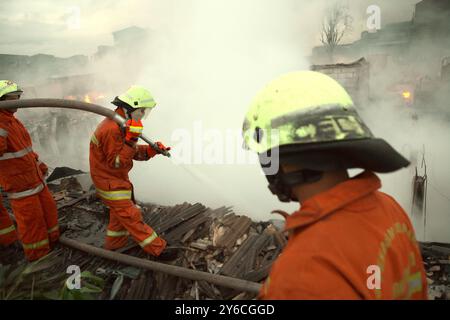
[(371, 154)]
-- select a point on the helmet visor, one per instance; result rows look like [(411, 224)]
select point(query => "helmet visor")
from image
[(140, 113), (146, 113)]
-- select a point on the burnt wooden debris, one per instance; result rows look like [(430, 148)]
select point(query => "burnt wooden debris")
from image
[(217, 241), (436, 259)]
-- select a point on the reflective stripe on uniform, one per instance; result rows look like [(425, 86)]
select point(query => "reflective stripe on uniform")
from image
[(53, 229), (115, 195), (414, 283), (408, 285), (94, 140), (26, 193), (148, 240), (3, 132), (117, 162), (7, 230), (17, 154), (135, 129), (36, 245), (110, 233)]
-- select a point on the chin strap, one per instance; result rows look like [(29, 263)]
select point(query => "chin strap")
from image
[(281, 183)]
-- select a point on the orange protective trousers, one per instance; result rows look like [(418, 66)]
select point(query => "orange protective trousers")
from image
[(125, 219), (37, 223)]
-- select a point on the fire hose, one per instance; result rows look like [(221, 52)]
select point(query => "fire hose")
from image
[(195, 275), (93, 108), (177, 271), (76, 105)]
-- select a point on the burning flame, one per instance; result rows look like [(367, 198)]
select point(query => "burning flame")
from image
[(406, 95), (88, 97)]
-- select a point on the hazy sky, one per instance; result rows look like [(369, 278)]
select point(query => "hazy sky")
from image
[(30, 27)]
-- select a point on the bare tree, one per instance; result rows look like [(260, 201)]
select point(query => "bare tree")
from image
[(336, 23)]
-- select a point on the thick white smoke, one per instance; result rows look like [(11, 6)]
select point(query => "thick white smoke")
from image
[(206, 74)]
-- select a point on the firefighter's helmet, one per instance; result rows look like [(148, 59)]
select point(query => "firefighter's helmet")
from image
[(311, 121), (136, 97), (8, 87)]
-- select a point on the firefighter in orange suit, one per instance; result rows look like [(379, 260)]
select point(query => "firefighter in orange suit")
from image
[(112, 151), (348, 240), (22, 178)]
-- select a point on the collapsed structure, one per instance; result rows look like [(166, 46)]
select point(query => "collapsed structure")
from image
[(216, 241)]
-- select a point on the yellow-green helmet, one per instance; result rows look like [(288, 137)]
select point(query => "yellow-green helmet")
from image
[(8, 87), (311, 121), (137, 97)]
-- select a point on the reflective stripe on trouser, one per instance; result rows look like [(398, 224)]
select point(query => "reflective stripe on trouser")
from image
[(25, 193), (8, 232), (149, 240), (17, 154), (3, 133), (53, 229), (116, 239), (115, 234), (125, 216), (35, 245), (37, 223), (114, 195)]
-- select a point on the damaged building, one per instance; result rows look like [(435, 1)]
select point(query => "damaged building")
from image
[(389, 53)]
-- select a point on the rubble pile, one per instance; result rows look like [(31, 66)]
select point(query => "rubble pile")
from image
[(211, 240), (216, 241), (436, 258)]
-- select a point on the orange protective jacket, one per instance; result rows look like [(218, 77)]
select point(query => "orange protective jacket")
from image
[(19, 168), (111, 158), (350, 242)]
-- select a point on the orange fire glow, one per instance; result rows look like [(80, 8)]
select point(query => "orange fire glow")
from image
[(406, 95), (88, 97)]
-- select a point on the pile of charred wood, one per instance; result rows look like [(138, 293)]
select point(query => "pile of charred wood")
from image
[(436, 258), (216, 241)]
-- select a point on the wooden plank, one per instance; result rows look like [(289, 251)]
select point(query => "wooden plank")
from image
[(232, 265), (259, 274), (75, 201), (178, 232), (237, 230), (181, 217)]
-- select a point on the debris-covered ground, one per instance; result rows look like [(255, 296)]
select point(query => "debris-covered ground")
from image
[(436, 258), (213, 240)]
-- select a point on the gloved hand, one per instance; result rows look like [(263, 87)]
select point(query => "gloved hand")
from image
[(152, 152), (163, 147), (133, 130), (43, 167)]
